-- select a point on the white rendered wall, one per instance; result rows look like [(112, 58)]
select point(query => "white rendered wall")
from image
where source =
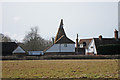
[(69, 48), (91, 48), (62, 48), (81, 45), (54, 48)]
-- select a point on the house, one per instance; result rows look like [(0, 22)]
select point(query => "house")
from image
[(35, 53), (62, 44), (101, 46), (11, 48), (83, 43)]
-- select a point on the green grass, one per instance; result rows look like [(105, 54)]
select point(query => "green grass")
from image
[(60, 69)]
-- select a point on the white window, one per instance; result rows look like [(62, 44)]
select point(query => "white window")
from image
[(81, 45)]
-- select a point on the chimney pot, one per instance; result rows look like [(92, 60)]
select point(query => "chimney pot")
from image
[(116, 34), (52, 40), (100, 37)]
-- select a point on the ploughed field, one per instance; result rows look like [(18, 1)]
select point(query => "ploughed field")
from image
[(60, 68)]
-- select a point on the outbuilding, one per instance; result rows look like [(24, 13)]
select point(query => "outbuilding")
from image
[(11, 48)]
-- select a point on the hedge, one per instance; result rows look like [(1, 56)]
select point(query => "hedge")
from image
[(111, 49)]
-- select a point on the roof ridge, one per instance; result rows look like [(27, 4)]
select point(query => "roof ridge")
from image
[(86, 39)]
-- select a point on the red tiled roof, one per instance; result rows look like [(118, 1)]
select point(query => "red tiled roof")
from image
[(87, 41)]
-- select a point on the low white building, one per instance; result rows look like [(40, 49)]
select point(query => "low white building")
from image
[(62, 44), (35, 53)]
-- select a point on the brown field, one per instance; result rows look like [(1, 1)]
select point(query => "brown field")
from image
[(104, 68)]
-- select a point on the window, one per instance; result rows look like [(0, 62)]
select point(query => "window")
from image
[(84, 43), (81, 45), (65, 45)]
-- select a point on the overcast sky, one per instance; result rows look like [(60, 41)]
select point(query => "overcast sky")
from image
[(88, 19)]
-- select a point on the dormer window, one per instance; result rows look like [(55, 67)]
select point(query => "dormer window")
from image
[(91, 46), (65, 45)]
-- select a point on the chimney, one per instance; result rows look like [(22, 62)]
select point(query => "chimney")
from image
[(77, 45), (100, 37), (116, 34), (52, 40)]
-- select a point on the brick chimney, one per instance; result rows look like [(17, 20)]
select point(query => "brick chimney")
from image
[(77, 44), (52, 40), (116, 34), (100, 37)]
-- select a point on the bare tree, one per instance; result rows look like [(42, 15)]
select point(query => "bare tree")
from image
[(5, 38), (34, 42)]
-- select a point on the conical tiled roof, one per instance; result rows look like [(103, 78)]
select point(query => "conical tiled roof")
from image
[(61, 36), (60, 31)]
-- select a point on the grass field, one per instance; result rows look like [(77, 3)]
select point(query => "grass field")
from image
[(60, 69)]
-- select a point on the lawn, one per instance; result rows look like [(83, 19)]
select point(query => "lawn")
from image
[(60, 68)]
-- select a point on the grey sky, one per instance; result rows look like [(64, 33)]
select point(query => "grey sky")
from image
[(88, 19)]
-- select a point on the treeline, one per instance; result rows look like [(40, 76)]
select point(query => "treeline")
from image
[(31, 42)]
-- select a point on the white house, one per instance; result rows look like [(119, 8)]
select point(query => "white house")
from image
[(83, 43), (62, 44), (96, 46), (91, 48)]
